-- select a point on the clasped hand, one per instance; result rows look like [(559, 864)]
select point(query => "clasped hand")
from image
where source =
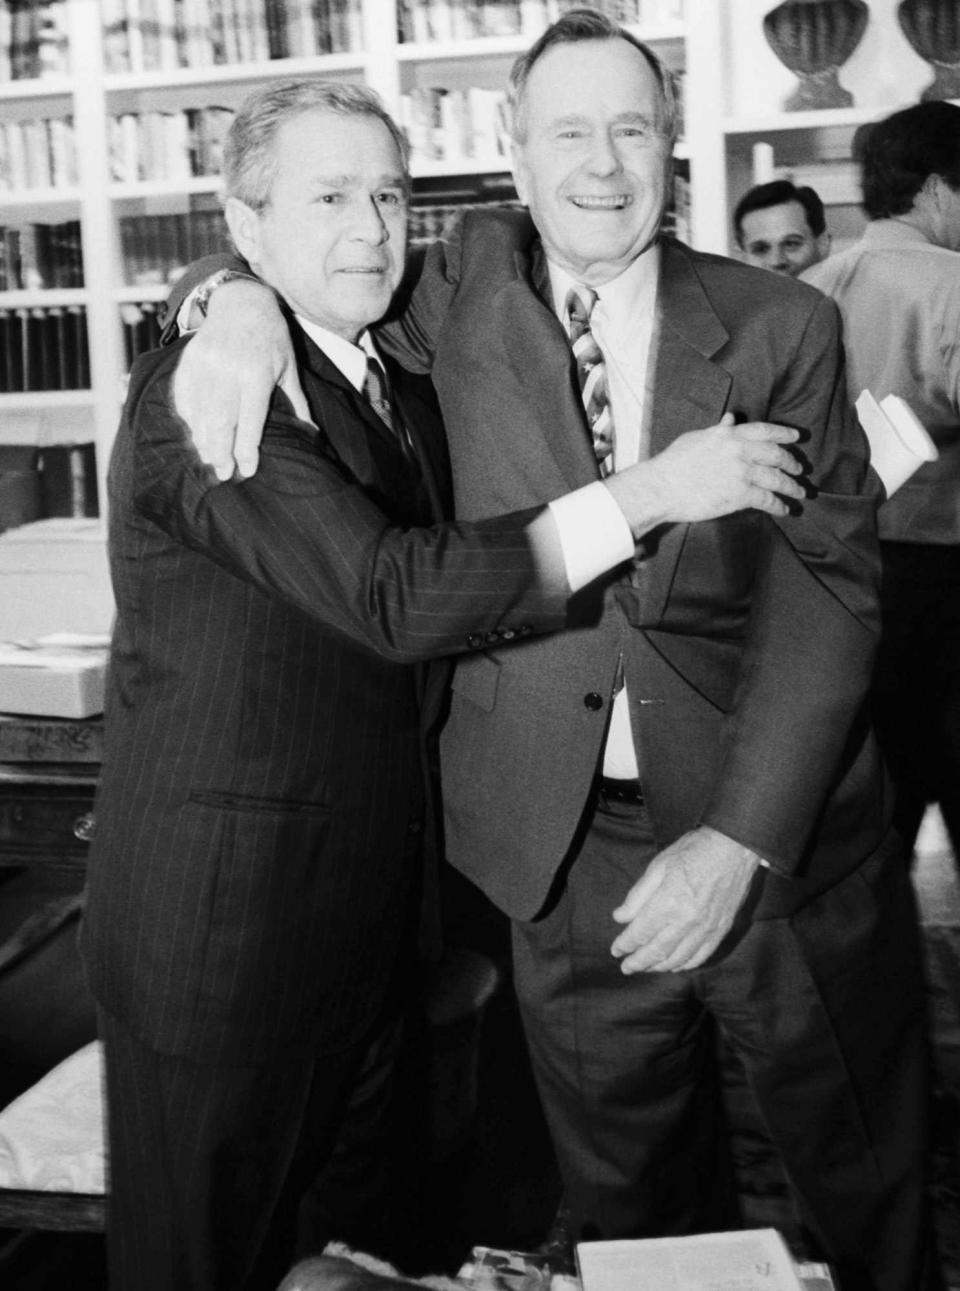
[(685, 904)]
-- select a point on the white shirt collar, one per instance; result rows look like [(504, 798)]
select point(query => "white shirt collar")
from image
[(630, 295), (349, 358)]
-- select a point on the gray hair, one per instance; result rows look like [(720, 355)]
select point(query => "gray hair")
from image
[(249, 155), (587, 24)]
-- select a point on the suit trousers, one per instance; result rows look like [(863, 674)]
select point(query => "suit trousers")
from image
[(825, 1010), (208, 1164), (917, 681)]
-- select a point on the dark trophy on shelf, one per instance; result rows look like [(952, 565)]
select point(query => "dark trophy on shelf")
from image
[(932, 28), (813, 38)]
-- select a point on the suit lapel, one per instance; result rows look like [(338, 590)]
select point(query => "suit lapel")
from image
[(690, 390), (538, 350), (426, 433)]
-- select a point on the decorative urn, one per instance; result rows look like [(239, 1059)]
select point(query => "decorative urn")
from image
[(932, 28), (813, 38)]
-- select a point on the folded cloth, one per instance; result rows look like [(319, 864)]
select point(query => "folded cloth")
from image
[(52, 1136)]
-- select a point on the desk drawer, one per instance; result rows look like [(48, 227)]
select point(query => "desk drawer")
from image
[(45, 824)]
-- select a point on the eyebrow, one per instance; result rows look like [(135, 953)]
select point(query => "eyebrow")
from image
[(344, 180), (622, 118)]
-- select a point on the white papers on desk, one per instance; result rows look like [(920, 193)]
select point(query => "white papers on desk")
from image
[(899, 444), (753, 1260), (58, 675)]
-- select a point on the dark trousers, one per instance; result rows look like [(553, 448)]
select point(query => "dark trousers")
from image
[(917, 681), (825, 1010), (208, 1164)]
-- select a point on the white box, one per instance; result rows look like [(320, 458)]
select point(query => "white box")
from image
[(53, 677), (54, 577)]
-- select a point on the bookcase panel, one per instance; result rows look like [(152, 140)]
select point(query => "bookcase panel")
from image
[(156, 246), (112, 114), (34, 40), (153, 35)]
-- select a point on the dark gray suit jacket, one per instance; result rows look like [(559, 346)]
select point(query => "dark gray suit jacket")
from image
[(747, 642)]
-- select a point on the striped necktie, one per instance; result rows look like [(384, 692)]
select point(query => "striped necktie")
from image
[(592, 375), (375, 391)]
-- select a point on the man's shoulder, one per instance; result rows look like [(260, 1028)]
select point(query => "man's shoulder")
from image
[(489, 230), (731, 283)]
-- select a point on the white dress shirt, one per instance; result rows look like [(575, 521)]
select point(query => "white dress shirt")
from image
[(623, 324)]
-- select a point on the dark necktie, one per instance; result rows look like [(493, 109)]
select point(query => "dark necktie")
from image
[(592, 374), (375, 390)]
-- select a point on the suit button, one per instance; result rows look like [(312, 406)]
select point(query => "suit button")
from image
[(525, 629), (508, 634), (593, 701), (493, 638), (475, 640)]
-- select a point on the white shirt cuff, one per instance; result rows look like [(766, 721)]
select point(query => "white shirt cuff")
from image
[(594, 534), (185, 310)]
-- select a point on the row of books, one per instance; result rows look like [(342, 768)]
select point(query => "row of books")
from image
[(34, 257), (34, 41), (44, 349), (439, 20), (152, 35), (156, 248), (167, 145), (37, 153), (452, 125), (141, 328)]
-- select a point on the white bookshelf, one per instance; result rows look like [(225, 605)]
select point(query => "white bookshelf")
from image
[(92, 94)]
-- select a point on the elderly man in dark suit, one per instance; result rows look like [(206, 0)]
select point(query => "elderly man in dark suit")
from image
[(254, 877), (681, 807)]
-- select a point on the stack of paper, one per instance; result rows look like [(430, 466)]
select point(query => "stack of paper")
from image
[(61, 675)]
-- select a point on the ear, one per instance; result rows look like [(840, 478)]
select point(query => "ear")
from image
[(929, 192), (517, 167), (823, 244), (244, 225)]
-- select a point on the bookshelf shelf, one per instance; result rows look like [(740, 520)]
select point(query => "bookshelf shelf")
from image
[(477, 47), (162, 188), (241, 74), (41, 87), (39, 203), (41, 298), (47, 400)]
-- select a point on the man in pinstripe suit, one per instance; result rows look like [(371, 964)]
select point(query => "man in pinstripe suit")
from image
[(254, 877)]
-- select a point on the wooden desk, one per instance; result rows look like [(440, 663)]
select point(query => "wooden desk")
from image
[(48, 777)]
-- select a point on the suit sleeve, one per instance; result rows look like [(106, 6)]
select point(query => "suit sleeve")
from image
[(415, 324), (304, 531), (813, 627)]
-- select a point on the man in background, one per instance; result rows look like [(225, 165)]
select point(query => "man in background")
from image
[(681, 808), (898, 290), (781, 227)]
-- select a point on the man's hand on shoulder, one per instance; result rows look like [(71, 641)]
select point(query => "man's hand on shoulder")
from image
[(679, 912), (227, 373)]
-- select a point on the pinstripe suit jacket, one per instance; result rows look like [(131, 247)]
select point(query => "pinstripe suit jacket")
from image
[(262, 790)]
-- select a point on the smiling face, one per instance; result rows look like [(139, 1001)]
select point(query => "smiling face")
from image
[(332, 237), (780, 238), (593, 161)]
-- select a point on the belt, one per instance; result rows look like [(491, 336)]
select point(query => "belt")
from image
[(620, 790)]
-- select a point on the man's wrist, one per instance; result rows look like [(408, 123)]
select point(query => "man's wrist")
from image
[(194, 306), (637, 493), (206, 289)]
